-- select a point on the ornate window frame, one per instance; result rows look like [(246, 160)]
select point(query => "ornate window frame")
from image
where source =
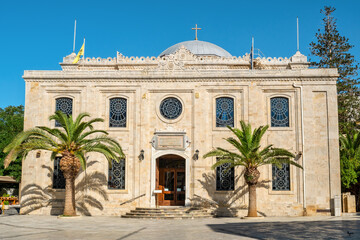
[(235, 99), (57, 162), (55, 98), (118, 191), (291, 111), (161, 117), (108, 176), (107, 113), (232, 173), (126, 114), (292, 182), (285, 106), (278, 169)]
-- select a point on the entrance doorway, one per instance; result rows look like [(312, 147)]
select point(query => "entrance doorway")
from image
[(170, 178)]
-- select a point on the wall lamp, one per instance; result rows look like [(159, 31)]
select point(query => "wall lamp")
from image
[(141, 156), (196, 155), (298, 156)]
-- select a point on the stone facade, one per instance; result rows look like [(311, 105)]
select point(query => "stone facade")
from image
[(196, 81)]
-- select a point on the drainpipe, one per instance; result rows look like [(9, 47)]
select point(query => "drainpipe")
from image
[(302, 144)]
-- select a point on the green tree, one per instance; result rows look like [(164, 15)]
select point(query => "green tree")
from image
[(350, 164), (75, 139), (349, 159), (332, 51), (11, 123), (251, 157)]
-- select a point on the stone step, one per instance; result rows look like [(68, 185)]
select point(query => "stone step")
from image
[(167, 217), (169, 211), (167, 214)]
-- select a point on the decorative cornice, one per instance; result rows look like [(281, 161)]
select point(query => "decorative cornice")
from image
[(191, 80), (181, 60)]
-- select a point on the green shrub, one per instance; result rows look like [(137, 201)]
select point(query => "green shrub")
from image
[(6, 202)]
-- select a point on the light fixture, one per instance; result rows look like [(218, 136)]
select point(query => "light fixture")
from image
[(196, 155), (141, 156), (298, 156), (38, 154)]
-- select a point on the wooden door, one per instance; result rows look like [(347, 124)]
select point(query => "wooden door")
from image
[(172, 184)]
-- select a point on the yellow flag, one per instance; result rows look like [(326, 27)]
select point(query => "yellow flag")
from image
[(80, 53)]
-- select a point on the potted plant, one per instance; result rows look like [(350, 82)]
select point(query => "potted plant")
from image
[(6, 205)]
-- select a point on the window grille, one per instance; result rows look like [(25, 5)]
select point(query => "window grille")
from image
[(171, 108), (58, 177), (64, 105), (279, 112), (224, 112), (224, 178), (281, 177), (117, 175), (118, 109)]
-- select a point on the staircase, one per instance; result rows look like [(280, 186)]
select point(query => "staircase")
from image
[(169, 213)]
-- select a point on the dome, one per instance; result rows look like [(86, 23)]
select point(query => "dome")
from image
[(198, 48)]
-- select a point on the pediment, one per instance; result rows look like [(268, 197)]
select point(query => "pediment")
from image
[(176, 61)]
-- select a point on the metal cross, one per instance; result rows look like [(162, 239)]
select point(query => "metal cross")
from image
[(196, 29)]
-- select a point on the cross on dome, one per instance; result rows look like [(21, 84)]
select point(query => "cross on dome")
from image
[(196, 29)]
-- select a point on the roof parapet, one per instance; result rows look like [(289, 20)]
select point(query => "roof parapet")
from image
[(183, 59)]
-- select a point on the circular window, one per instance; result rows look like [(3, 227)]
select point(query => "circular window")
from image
[(170, 108)]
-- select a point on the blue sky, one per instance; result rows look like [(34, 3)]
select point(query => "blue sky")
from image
[(36, 35)]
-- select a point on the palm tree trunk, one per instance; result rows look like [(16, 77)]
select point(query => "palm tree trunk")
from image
[(252, 201), (70, 166), (69, 209)]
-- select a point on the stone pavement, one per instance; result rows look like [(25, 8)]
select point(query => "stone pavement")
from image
[(50, 227)]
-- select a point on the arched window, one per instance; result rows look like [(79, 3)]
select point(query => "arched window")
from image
[(118, 109), (225, 178), (224, 112), (281, 177), (117, 175), (279, 112), (58, 177), (65, 105)]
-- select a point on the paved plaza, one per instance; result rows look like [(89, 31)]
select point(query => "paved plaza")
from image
[(50, 227)]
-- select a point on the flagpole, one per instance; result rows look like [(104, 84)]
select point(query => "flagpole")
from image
[(74, 36), (252, 53), (297, 33), (84, 49)]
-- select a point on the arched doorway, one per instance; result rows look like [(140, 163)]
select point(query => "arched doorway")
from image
[(170, 178)]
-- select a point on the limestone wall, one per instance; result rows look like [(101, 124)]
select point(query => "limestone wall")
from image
[(251, 91)]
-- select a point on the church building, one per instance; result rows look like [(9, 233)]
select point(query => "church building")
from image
[(168, 111)]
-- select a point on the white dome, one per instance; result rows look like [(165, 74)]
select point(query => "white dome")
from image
[(198, 48)]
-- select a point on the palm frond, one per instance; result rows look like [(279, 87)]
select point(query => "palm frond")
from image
[(250, 154), (80, 117), (87, 134), (75, 139)]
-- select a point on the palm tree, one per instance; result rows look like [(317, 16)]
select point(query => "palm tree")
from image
[(250, 156), (72, 141)]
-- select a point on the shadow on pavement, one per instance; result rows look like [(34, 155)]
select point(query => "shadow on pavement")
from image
[(130, 234), (292, 230)]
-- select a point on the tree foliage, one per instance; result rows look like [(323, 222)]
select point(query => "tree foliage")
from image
[(73, 141), (332, 51), (77, 138), (250, 155), (11, 123), (349, 159)]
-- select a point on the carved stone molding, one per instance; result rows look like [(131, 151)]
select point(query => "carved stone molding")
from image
[(170, 138), (181, 60)]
